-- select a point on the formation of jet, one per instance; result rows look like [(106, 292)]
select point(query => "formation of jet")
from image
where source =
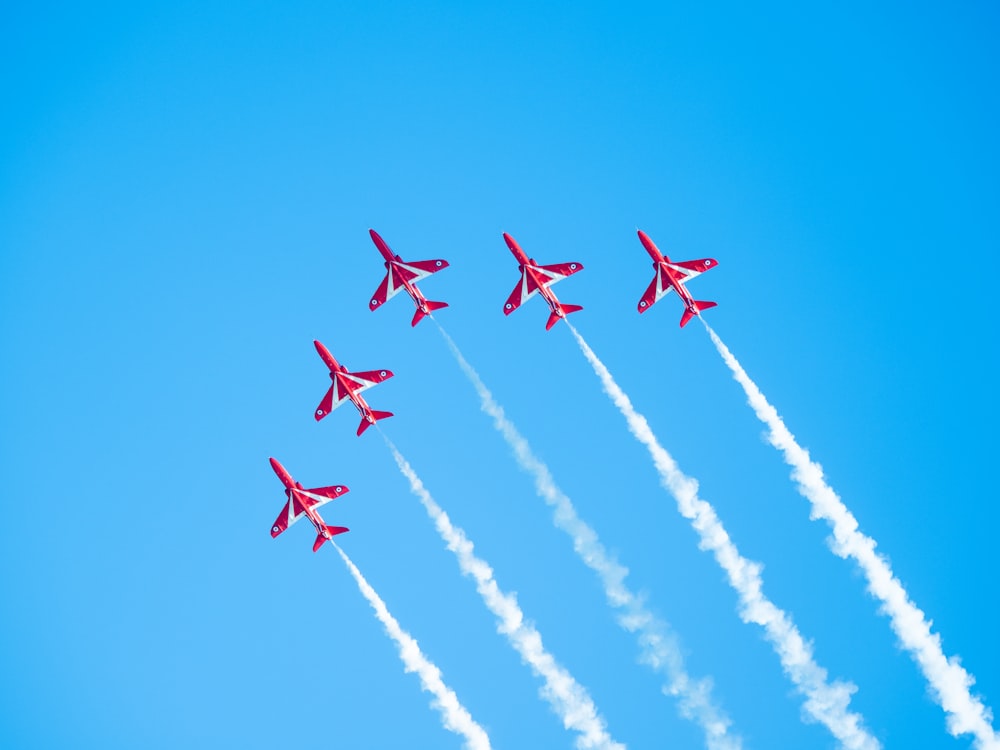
[(348, 386), (671, 275), (402, 275), (302, 502), (536, 279)]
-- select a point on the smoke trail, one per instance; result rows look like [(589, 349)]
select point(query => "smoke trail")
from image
[(949, 682), (454, 715), (657, 642), (826, 703), (565, 695)]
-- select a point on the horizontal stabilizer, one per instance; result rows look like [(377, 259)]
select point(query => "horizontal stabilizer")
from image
[(376, 416), (699, 305), (431, 306), (331, 531), (563, 311)]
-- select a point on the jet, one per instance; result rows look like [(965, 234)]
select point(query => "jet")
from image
[(402, 275), (348, 385), (537, 279), (674, 275), (303, 502)]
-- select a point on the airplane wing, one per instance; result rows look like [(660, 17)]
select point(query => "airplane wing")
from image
[(526, 289), (362, 381), (299, 500), (692, 268), (322, 495), (656, 289), (421, 269), (559, 271), (399, 273), (291, 513), (334, 397), (381, 294)]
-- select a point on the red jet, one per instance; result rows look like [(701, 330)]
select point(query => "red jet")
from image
[(303, 502), (537, 279), (400, 275), (348, 385), (671, 275)]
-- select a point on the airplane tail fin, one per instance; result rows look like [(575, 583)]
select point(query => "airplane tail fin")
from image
[(431, 306), (564, 310), (332, 531), (700, 305), (376, 415)]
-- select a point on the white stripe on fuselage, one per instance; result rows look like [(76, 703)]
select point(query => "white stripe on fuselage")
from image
[(310, 513), (661, 273), (542, 285)]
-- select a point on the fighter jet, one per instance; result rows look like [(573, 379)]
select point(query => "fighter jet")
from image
[(401, 275), (674, 275), (303, 502), (537, 279), (348, 385)]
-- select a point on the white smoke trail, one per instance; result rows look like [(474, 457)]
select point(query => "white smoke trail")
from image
[(454, 715), (565, 695), (949, 682), (657, 642), (825, 702)]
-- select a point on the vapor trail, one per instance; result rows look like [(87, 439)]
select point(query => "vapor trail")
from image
[(454, 715), (825, 702), (949, 682), (658, 644), (564, 694)]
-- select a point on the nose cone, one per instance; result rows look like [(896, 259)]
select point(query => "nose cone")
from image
[(325, 355), (651, 248), (515, 249), (282, 473)]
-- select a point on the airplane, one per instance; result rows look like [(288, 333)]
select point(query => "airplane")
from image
[(537, 279), (348, 385), (303, 502), (674, 275), (401, 275)]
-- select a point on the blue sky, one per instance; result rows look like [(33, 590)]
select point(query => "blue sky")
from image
[(185, 195)]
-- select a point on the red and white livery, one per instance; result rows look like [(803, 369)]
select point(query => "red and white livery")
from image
[(674, 275), (401, 275), (348, 386), (306, 503), (536, 279)]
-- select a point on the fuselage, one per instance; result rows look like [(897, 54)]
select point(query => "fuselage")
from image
[(546, 292), (283, 475), (313, 517), (415, 294), (382, 246)]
